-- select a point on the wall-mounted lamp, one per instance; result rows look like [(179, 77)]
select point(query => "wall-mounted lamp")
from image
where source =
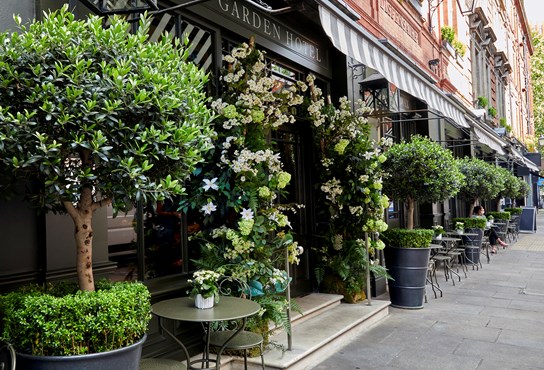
[(468, 8), (434, 63), (541, 141)]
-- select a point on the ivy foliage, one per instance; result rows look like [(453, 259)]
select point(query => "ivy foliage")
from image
[(83, 106), (537, 81)]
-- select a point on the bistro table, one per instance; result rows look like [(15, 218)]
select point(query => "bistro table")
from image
[(183, 309)]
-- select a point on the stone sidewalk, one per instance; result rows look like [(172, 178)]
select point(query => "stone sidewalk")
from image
[(494, 319)]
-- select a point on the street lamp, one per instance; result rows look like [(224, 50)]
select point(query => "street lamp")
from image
[(108, 7), (541, 141), (468, 8)]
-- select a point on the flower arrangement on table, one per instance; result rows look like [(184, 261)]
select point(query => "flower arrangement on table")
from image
[(459, 227), (204, 284), (438, 230)]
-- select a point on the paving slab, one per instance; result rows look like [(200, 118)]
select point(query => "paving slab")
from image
[(493, 319)]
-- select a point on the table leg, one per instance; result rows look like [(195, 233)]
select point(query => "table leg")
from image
[(171, 335)]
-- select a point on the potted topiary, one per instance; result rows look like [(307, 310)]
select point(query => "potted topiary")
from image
[(510, 188), (419, 170), (482, 181), (94, 116), (407, 258), (472, 234)]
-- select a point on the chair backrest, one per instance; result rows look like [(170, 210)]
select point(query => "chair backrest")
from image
[(474, 241), (232, 286), (7, 356)]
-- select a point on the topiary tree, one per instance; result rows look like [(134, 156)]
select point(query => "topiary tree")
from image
[(524, 189), (482, 181), (97, 116), (420, 170), (510, 188)]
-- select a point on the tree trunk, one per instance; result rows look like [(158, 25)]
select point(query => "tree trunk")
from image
[(411, 205), (472, 205), (82, 216)]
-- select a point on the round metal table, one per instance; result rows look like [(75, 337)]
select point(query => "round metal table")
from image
[(183, 309)]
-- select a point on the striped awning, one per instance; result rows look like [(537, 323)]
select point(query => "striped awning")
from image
[(351, 39), (489, 139)]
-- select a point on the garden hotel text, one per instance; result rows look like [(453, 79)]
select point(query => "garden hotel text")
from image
[(271, 29)]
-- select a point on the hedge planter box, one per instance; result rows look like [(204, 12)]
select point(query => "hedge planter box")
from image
[(408, 269), (127, 358)]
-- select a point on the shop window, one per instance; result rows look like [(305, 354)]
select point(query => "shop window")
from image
[(159, 248)]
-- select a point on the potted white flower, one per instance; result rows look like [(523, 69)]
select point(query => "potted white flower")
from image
[(459, 227), (205, 290), (438, 231)]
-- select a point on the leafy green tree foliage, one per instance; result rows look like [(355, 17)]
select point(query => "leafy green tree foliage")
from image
[(511, 185), (420, 171), (97, 116), (483, 181), (537, 82)]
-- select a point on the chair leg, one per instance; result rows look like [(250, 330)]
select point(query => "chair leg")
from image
[(261, 350), (245, 359)]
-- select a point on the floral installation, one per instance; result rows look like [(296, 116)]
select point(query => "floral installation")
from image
[(204, 282), (459, 226), (438, 230), (238, 191), (350, 183)]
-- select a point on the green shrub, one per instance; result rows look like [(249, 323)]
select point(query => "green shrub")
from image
[(471, 222), (61, 320), (492, 111), (499, 215), (513, 211), (459, 47), (447, 34), (482, 101), (407, 238)]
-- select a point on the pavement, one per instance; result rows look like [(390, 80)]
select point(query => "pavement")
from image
[(493, 319)]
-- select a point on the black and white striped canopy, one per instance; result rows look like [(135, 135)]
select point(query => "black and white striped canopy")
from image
[(352, 40)]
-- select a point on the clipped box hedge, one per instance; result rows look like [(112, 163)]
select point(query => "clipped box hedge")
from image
[(61, 320), (499, 215), (471, 222), (514, 211), (405, 238)]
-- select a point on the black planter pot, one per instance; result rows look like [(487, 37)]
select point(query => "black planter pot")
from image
[(127, 358), (472, 245), (378, 285), (408, 268)]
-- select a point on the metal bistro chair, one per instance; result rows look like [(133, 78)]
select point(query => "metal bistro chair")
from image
[(7, 356), (244, 340), (513, 229)]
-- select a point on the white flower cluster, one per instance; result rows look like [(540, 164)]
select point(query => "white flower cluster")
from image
[(332, 189), (338, 242), (246, 160)]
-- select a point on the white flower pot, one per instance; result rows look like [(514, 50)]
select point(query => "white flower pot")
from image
[(203, 303), (438, 237), (460, 232)]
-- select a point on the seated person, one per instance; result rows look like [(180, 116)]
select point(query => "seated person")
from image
[(478, 212)]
